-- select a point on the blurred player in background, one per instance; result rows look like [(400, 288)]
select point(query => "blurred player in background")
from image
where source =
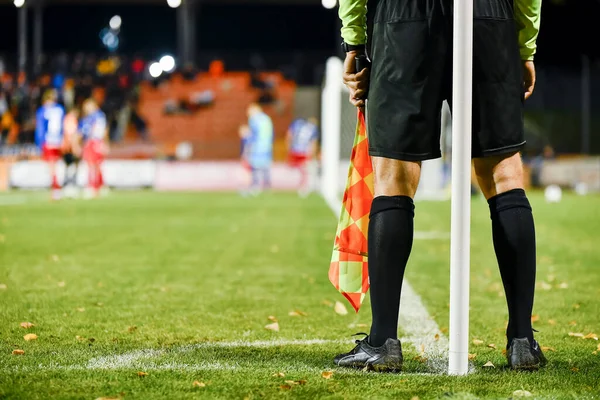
[(258, 150), (93, 133), (49, 135), (71, 151), (244, 133), (301, 140)]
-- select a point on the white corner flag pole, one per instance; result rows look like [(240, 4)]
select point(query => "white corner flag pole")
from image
[(462, 89)]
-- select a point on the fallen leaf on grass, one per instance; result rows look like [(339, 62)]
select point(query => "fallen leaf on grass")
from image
[(422, 348), (436, 337), (548, 348), (414, 398), (563, 285), (576, 334), (18, 352), (521, 393), (54, 258), (300, 382), (503, 352), (279, 375), (477, 342), (472, 356), (273, 327), (340, 308), (551, 322), (81, 309), (327, 303), (142, 374), (198, 384), (99, 304), (545, 285), (327, 374), (572, 323), (80, 338), (591, 336), (3, 286), (489, 364), (108, 398), (26, 325), (420, 358), (576, 306), (492, 346), (444, 330), (285, 387), (92, 340), (272, 318), (598, 347), (535, 318), (575, 369), (297, 313), (132, 329), (30, 336), (61, 284)]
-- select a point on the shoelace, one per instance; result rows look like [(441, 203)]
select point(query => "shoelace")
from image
[(366, 336)]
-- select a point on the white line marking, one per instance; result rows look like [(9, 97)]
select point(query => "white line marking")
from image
[(418, 326), (130, 359)]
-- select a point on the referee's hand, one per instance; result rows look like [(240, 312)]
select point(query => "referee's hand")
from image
[(528, 78), (357, 83)]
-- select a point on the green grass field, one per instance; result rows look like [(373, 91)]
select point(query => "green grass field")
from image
[(180, 287)]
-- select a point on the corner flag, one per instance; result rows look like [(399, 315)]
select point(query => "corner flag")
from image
[(349, 271)]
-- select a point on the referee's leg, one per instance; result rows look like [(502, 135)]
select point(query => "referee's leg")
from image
[(513, 231)]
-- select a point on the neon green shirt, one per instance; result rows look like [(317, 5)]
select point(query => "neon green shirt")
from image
[(353, 14)]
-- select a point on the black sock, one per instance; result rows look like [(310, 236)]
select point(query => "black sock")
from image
[(513, 231), (390, 241)]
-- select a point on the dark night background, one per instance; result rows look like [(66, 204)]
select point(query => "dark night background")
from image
[(569, 28)]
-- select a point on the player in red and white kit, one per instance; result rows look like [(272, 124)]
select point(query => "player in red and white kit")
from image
[(93, 132), (302, 137), (49, 135)]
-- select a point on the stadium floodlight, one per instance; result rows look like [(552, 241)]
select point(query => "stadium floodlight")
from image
[(167, 63), (155, 70), (19, 3), (174, 3), (115, 22), (460, 231), (329, 4)]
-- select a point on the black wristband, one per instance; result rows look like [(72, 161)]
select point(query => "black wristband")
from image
[(353, 47)]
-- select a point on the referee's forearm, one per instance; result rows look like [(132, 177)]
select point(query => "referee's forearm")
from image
[(353, 14)]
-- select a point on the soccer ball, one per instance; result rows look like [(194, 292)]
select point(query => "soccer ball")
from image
[(553, 194)]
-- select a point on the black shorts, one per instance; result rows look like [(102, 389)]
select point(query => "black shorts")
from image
[(411, 76)]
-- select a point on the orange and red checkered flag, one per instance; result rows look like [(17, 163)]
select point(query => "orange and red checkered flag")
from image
[(349, 271)]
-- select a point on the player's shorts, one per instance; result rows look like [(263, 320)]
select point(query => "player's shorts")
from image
[(298, 159), (93, 152), (411, 76), (51, 154), (70, 158)]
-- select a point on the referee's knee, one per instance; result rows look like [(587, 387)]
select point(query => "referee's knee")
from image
[(395, 177), (499, 174)]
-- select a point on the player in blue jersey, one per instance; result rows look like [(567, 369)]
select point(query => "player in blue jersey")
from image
[(93, 131), (258, 151), (49, 135), (302, 137)]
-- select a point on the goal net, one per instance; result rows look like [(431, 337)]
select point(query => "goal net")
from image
[(338, 125)]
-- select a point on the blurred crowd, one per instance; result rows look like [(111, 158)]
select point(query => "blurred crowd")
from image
[(113, 82)]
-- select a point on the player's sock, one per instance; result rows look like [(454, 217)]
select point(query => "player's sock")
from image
[(390, 242), (55, 185), (100, 177), (513, 232), (267, 178)]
